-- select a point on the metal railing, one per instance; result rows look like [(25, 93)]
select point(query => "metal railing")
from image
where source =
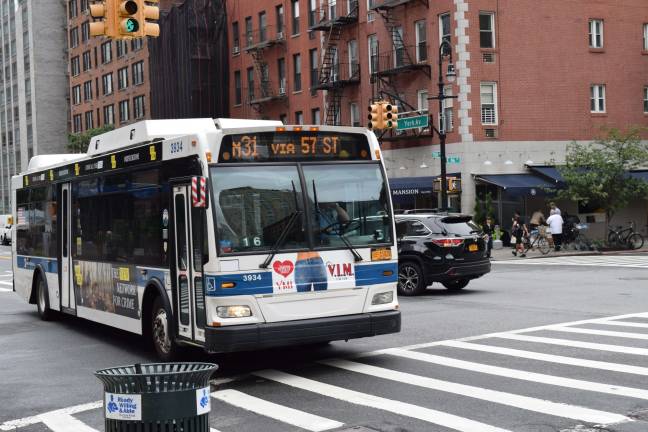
[(267, 35)]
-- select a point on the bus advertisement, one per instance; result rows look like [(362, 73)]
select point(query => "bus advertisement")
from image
[(228, 234)]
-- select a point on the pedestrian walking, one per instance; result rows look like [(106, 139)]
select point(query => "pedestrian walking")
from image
[(554, 209), (519, 230), (555, 222), (489, 230)]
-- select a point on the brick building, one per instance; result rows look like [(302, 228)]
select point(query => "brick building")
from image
[(531, 77)]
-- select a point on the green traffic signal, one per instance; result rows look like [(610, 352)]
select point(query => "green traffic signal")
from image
[(131, 25)]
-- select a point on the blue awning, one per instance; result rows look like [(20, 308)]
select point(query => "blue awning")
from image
[(515, 181), (642, 175), (547, 171), (402, 183)]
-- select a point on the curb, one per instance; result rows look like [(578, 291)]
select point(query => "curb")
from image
[(571, 254)]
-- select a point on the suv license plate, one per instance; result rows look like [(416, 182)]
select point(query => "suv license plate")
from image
[(473, 248)]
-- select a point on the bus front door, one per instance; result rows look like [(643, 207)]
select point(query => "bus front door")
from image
[(189, 294), (67, 287)]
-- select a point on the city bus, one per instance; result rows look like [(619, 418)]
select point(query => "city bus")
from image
[(231, 235)]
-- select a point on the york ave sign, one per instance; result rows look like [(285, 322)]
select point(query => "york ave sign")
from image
[(414, 122)]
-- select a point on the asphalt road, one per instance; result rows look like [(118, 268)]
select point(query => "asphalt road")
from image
[(449, 373)]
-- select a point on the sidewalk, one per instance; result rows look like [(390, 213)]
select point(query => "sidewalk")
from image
[(505, 253)]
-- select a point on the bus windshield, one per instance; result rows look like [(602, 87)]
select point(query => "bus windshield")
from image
[(254, 204)]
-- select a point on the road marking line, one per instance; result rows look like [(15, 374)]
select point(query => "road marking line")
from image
[(6, 290), (523, 375), (26, 421), (60, 422), (625, 324), (518, 401), (282, 413), (6, 283), (397, 407), (642, 336), (498, 334), (213, 430), (576, 344), (532, 355)]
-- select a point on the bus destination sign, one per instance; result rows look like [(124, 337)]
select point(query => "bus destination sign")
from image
[(293, 146)]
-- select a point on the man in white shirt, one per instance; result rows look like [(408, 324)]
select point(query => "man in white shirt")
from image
[(555, 222), (554, 208)]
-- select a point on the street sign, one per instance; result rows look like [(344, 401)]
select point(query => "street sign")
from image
[(453, 159), (436, 154), (414, 122)]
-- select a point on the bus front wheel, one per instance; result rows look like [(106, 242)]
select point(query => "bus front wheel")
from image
[(161, 331), (42, 299)]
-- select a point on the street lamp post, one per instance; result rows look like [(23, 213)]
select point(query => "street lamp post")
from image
[(445, 50)]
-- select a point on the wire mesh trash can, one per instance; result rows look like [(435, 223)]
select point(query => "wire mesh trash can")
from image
[(157, 397)]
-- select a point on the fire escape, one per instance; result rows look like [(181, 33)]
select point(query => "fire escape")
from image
[(263, 93), (390, 66), (334, 76)]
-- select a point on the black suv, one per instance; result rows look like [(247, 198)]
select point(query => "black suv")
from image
[(438, 247)]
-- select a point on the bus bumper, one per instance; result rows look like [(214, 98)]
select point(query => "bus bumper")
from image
[(250, 337)]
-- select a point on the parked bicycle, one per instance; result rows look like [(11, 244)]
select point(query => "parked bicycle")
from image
[(625, 237), (574, 238), (537, 239)]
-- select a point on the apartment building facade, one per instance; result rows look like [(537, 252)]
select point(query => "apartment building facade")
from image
[(33, 86), (109, 79), (531, 77)]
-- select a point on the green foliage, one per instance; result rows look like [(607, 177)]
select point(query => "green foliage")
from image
[(596, 174), (79, 142), (483, 209)]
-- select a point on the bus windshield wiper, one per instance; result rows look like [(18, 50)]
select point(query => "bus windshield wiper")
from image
[(356, 256), (282, 237)]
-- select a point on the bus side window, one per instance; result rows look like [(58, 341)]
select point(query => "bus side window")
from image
[(199, 237)]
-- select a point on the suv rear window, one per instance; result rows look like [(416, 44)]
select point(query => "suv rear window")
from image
[(460, 225)]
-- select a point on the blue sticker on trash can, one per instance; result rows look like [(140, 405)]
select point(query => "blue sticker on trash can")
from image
[(203, 401), (123, 406)]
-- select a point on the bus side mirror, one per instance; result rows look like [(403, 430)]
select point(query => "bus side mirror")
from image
[(199, 192)]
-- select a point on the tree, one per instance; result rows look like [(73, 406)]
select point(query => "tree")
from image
[(79, 142), (483, 209), (596, 174)]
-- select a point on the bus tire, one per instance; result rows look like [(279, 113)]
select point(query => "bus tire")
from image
[(42, 299), (161, 332)]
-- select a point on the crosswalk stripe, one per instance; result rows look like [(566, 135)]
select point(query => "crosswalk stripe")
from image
[(282, 413), (642, 336), (522, 374), (61, 422), (588, 260), (510, 399), (6, 283), (27, 421), (625, 324), (394, 406), (6, 290), (533, 355), (575, 344)]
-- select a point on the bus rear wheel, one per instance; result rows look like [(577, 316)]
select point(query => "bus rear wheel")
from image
[(42, 300), (161, 331)]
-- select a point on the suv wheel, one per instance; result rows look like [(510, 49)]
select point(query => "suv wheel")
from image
[(410, 279), (456, 284)]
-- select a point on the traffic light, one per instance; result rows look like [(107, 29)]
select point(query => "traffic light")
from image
[(150, 13), (375, 116), (392, 116), (104, 11), (128, 18)]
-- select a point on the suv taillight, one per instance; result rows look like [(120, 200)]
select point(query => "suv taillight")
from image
[(447, 242)]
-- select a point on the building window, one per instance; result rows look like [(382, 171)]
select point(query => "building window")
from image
[(138, 73), (486, 30), (250, 83), (122, 48), (281, 72), (87, 62), (294, 9), (89, 120), (75, 66), (314, 73), (263, 26), (645, 37), (596, 33), (122, 78), (446, 123), (236, 41), (87, 90), (107, 81), (422, 100), (76, 94), (248, 31), (85, 31), (315, 116), (299, 118), (312, 13), (74, 37), (106, 52), (123, 111), (283, 118), (297, 84), (597, 98), (137, 44), (109, 114), (237, 87), (371, 16), (72, 9), (138, 107), (488, 94), (372, 41), (279, 13), (354, 111), (646, 99), (444, 27), (78, 127), (421, 41), (84, 5), (354, 63), (400, 55)]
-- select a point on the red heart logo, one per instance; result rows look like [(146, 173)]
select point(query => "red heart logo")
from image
[(283, 268)]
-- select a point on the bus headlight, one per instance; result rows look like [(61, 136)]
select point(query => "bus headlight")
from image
[(233, 311), (382, 298)]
